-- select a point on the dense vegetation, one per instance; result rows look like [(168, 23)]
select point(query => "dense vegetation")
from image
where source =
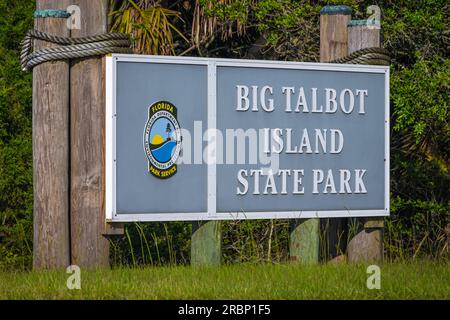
[(415, 32)]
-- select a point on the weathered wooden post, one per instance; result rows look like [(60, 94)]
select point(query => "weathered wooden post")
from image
[(206, 243), (367, 243), (333, 32), (304, 241), (89, 247), (51, 246), (304, 244), (334, 45)]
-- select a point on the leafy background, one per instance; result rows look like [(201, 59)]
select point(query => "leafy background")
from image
[(415, 32)]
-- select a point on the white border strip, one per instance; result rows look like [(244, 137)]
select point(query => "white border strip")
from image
[(387, 142), (253, 63), (196, 216), (109, 199), (212, 214), (212, 122)]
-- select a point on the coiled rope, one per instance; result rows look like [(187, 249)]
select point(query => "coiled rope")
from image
[(120, 43), (373, 56), (71, 47)]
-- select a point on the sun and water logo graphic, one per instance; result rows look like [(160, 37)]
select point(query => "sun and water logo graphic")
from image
[(162, 139), (162, 149)]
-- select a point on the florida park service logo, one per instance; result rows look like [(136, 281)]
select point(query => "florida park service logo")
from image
[(162, 139)]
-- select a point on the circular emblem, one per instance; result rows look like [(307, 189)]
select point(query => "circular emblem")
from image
[(162, 139)]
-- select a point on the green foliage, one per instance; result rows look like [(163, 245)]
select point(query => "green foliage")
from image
[(227, 11), (16, 192), (255, 241), (149, 24), (153, 244), (415, 30), (421, 95), (417, 229), (289, 27)]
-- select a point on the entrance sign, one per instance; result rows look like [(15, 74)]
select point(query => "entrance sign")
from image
[(205, 139)]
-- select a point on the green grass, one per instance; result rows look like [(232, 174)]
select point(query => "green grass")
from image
[(419, 280)]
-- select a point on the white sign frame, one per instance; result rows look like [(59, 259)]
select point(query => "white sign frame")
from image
[(212, 214)]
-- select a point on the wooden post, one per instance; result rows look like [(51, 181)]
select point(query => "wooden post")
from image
[(206, 243), (51, 246), (362, 35), (367, 243), (304, 241), (89, 247), (333, 32), (333, 45)]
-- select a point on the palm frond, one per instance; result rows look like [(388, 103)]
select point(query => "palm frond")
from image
[(149, 24)]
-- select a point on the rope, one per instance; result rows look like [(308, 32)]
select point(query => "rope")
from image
[(71, 47), (120, 43), (375, 56)]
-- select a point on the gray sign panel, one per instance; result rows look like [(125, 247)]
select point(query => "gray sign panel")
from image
[(244, 139)]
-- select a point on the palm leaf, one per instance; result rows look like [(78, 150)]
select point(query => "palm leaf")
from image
[(149, 24)]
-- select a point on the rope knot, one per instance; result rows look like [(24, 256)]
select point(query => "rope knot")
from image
[(71, 48)]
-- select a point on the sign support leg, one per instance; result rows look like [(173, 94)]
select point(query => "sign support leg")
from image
[(206, 248), (206, 243), (304, 241), (367, 243)]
